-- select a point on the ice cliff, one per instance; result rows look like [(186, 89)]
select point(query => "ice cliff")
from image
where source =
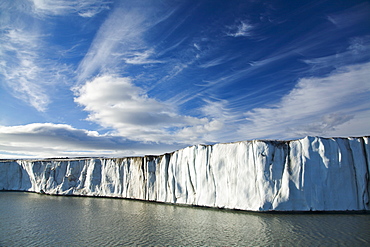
[(308, 174)]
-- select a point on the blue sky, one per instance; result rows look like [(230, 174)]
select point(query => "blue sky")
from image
[(123, 78)]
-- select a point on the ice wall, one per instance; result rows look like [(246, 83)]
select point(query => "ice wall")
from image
[(307, 174)]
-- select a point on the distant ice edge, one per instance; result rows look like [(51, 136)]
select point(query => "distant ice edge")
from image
[(310, 174)]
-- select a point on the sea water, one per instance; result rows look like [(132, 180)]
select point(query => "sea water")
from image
[(29, 219)]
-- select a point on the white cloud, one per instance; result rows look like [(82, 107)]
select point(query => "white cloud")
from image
[(40, 140), (317, 106), (202, 132), (116, 103)]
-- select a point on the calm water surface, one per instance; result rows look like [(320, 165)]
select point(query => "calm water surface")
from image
[(28, 219)]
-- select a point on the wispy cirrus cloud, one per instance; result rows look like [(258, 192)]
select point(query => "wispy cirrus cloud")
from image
[(242, 29), (26, 71), (350, 17), (308, 44), (84, 8), (122, 38), (214, 62), (140, 57), (120, 30), (357, 52), (28, 62)]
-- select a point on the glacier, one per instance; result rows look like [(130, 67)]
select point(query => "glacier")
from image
[(309, 174)]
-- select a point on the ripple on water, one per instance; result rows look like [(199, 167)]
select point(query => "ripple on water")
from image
[(38, 220)]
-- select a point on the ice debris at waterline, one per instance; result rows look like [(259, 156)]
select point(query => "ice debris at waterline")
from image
[(308, 174)]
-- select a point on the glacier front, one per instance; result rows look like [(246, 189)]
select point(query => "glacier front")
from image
[(310, 174)]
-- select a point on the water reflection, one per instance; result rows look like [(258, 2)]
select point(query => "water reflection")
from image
[(33, 220)]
